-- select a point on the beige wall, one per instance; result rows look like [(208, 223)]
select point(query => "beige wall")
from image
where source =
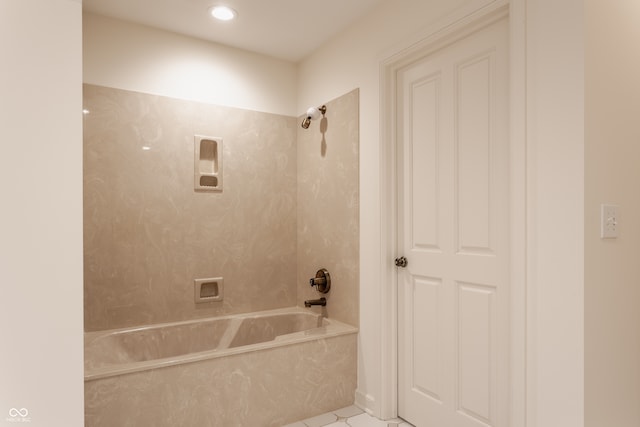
[(612, 294), (328, 207), (126, 56), (555, 235), (149, 235), (41, 214)]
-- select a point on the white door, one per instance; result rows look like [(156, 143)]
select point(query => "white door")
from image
[(453, 173)]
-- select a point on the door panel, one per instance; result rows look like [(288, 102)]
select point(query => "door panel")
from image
[(426, 377), (453, 187)]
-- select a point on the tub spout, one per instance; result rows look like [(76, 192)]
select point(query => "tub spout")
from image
[(322, 301)]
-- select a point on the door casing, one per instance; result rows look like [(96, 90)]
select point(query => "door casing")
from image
[(520, 389)]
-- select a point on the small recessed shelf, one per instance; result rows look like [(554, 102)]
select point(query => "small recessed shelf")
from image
[(207, 163), (208, 290), (209, 181)]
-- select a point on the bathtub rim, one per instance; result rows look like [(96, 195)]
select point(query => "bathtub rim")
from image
[(332, 328)]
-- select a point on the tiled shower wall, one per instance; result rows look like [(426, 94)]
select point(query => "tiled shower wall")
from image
[(328, 207), (148, 234)]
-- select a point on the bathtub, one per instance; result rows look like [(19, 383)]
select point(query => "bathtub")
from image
[(260, 369)]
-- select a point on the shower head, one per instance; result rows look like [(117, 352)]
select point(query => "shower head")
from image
[(313, 113)]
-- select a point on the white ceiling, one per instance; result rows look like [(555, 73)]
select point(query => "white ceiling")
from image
[(285, 29)]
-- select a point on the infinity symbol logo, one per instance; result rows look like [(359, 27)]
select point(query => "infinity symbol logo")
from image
[(13, 412)]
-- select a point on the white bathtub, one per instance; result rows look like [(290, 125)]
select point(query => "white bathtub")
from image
[(259, 369)]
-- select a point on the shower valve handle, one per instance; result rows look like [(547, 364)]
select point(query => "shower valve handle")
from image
[(322, 281), (317, 281)]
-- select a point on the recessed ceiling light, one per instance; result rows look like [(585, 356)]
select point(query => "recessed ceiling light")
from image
[(223, 13)]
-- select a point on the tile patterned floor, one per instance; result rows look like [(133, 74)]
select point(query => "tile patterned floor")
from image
[(351, 416)]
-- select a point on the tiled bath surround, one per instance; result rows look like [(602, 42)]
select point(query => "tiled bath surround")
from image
[(289, 207), (148, 234), (328, 208)]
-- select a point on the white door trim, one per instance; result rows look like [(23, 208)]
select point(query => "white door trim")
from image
[(520, 303)]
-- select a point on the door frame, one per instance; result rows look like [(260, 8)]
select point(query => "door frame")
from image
[(521, 310)]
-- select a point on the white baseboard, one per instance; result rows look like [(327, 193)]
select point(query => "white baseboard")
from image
[(367, 403)]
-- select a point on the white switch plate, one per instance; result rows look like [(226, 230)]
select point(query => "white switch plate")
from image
[(609, 221)]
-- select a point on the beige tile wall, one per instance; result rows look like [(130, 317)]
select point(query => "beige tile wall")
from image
[(328, 208), (148, 234), (289, 203)]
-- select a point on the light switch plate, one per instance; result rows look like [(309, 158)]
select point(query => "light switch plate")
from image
[(609, 221)]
